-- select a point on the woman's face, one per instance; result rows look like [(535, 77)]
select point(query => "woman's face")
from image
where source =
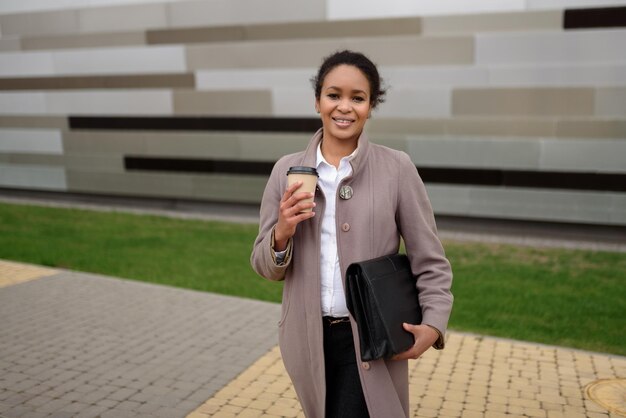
[(344, 103)]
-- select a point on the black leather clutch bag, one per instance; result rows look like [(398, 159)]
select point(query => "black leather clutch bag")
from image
[(381, 295)]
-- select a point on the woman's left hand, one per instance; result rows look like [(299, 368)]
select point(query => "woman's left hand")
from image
[(424, 336)]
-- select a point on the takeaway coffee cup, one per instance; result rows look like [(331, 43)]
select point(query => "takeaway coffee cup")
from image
[(308, 177)]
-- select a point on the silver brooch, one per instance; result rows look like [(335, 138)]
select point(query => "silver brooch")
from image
[(345, 192)]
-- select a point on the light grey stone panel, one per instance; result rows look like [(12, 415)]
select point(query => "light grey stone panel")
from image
[(47, 160), (582, 46), (215, 145), (131, 183), (110, 102), (22, 103), (271, 146), (355, 9), (410, 50), (575, 101), (254, 79), (84, 40), (492, 22), (593, 155), (405, 126), (31, 141), (618, 213), (220, 145), (611, 102), (502, 126), (336, 29), (228, 12), (96, 162), (123, 18), (397, 142), (229, 188), (293, 101), (529, 204), (40, 23), (227, 103), (10, 44), (475, 152), (126, 60), (591, 128), (32, 177), (419, 103), (434, 75), (107, 142), (56, 122), (297, 30), (550, 205), (261, 54), (307, 53), (449, 199), (23, 64), (601, 74)]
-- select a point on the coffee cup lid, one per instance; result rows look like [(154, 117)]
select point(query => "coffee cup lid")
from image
[(299, 169)]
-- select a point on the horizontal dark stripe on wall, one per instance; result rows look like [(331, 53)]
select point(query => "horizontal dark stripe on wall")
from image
[(530, 179), (458, 176), (199, 123), (99, 82), (605, 17)]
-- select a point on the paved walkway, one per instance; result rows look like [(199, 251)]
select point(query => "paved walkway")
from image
[(83, 345)]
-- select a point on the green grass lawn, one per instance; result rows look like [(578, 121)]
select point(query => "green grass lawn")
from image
[(563, 297)]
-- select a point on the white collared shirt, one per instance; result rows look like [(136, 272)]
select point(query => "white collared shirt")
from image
[(333, 296)]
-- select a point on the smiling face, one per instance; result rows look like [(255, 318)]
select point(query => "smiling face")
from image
[(344, 103)]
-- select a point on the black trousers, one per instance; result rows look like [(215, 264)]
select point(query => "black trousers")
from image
[(344, 394)]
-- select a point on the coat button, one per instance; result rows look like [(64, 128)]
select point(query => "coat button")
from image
[(345, 227), (365, 365)]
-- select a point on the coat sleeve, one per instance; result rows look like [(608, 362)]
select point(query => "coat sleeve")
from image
[(429, 264), (263, 257)]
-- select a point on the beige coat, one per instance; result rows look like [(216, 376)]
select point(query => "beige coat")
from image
[(389, 201)]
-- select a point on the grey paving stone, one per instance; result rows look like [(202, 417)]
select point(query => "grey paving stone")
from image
[(18, 411), (118, 413), (53, 406), (92, 412), (4, 407), (62, 414), (75, 407), (91, 345), (129, 405), (107, 403), (122, 394), (38, 401)]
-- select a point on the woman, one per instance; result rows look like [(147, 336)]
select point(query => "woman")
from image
[(368, 197)]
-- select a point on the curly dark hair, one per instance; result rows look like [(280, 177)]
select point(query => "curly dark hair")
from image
[(358, 60)]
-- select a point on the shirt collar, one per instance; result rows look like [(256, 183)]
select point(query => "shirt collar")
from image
[(320, 157)]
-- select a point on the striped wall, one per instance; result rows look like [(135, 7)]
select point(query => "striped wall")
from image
[(510, 110)]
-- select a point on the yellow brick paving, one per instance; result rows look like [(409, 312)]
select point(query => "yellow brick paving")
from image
[(13, 273), (473, 377)]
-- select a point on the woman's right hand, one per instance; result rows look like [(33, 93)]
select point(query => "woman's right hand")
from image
[(290, 215)]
